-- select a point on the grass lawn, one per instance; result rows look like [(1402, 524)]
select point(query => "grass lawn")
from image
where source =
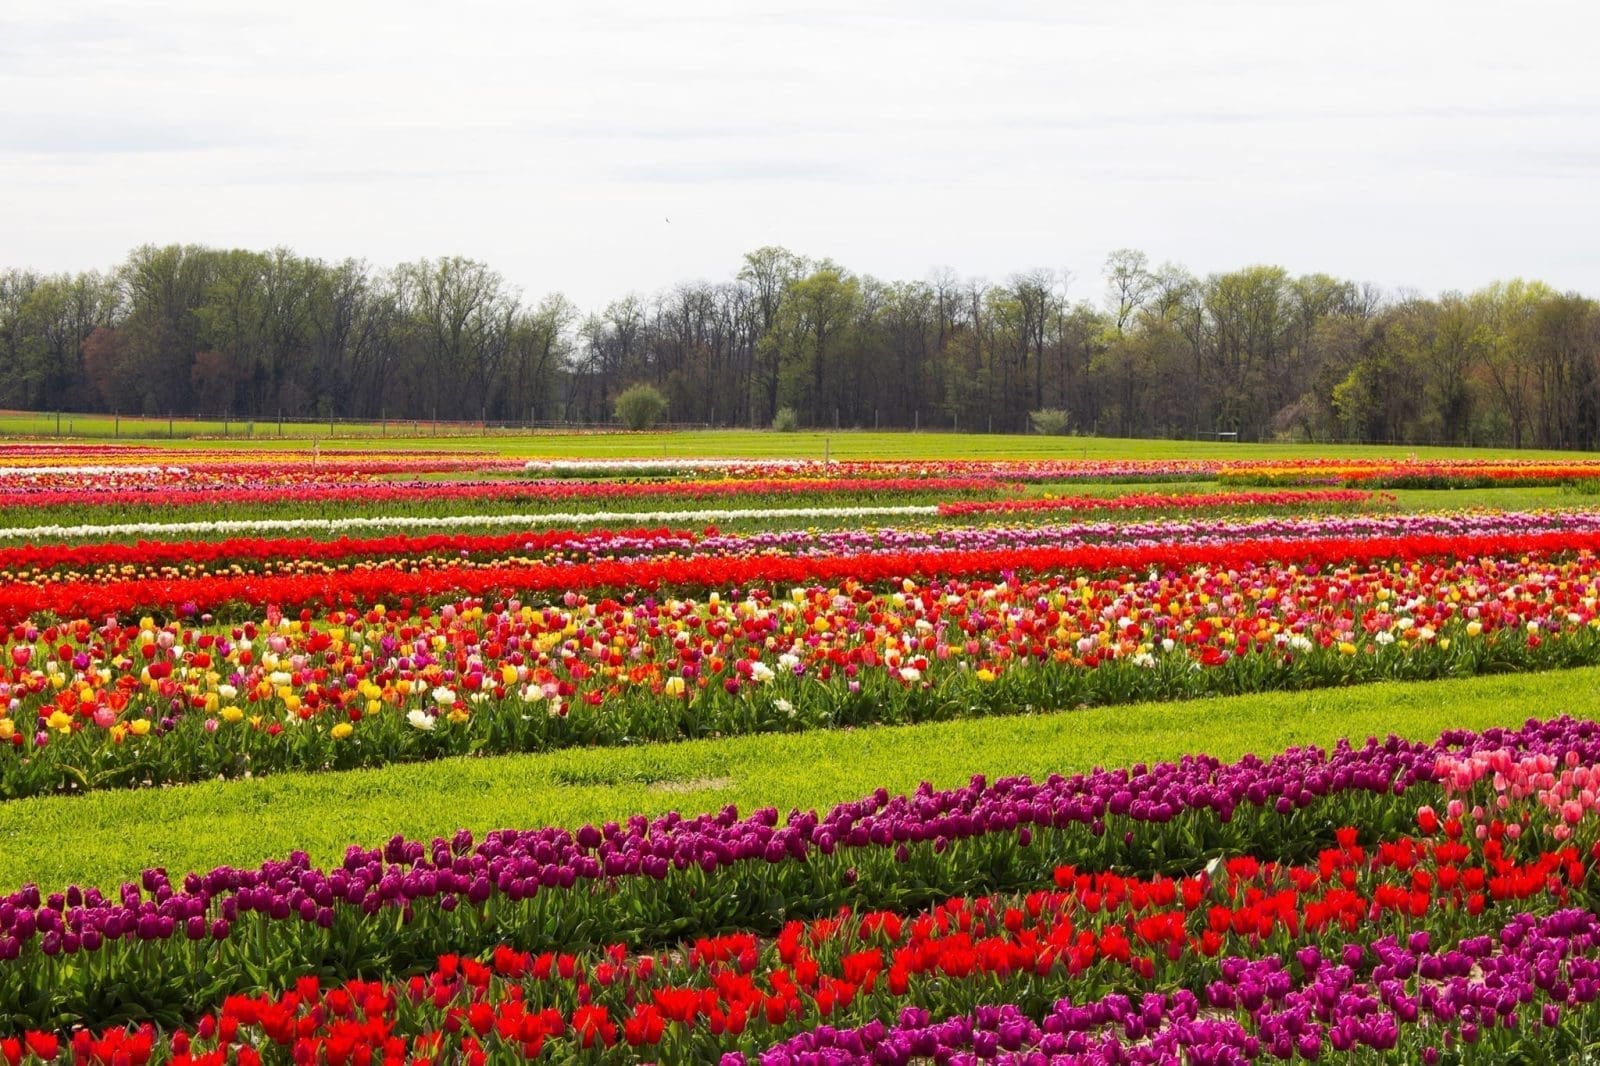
[(732, 443), (104, 837)]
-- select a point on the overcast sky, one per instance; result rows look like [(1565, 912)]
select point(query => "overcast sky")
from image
[(1431, 145)]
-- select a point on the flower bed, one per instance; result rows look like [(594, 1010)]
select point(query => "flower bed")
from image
[(1334, 498), (108, 705), (108, 560), (711, 934), (1411, 473), (72, 599), (291, 492)]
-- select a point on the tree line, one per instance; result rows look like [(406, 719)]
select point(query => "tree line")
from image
[(1150, 350)]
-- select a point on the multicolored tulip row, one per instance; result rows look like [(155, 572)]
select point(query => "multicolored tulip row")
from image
[(109, 705), (161, 947), (443, 519), (1372, 473), (111, 497), (41, 565), (29, 478), (1244, 933), (1410, 473), (1041, 469), (99, 561), (221, 467), (1522, 994), (1092, 933), (1331, 499), (292, 591)]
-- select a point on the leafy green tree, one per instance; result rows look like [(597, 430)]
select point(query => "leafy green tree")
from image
[(811, 330), (640, 406)]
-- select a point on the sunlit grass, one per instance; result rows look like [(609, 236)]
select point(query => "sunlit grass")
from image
[(105, 837), (264, 435)]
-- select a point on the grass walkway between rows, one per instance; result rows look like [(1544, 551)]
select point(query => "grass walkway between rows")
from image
[(104, 837), (714, 443)]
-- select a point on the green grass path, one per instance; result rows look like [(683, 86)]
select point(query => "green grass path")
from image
[(104, 837), (721, 443)]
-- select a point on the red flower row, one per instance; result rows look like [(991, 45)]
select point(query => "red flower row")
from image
[(81, 599)]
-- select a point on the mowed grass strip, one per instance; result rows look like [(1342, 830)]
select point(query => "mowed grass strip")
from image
[(712, 443), (106, 837)]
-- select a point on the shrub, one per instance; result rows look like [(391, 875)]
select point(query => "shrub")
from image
[(786, 420), (1051, 421), (640, 406)]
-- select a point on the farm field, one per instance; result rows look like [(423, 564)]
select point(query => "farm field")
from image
[(244, 436), (700, 748)]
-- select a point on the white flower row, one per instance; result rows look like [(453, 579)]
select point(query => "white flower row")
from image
[(653, 466), (336, 525)]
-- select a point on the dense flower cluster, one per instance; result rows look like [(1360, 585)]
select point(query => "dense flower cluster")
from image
[(741, 989), (93, 599), (1425, 901), (1283, 951), (97, 705), (1409, 473), (1374, 472), (39, 563), (225, 527), (109, 560), (38, 479), (1144, 501), (109, 494)]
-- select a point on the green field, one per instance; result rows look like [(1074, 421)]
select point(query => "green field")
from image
[(105, 837), (721, 443), (108, 836)]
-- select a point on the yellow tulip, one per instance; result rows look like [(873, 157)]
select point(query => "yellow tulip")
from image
[(342, 730), (139, 727)]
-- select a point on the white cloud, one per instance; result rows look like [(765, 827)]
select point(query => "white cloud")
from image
[(1431, 144)]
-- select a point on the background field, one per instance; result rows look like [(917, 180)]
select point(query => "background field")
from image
[(105, 837), (722, 443)]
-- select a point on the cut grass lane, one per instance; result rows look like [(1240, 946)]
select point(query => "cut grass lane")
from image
[(766, 444), (105, 837)]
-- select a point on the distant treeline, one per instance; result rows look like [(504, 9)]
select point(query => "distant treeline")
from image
[(1151, 350)]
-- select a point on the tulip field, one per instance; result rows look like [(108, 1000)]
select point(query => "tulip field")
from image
[(1143, 833)]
